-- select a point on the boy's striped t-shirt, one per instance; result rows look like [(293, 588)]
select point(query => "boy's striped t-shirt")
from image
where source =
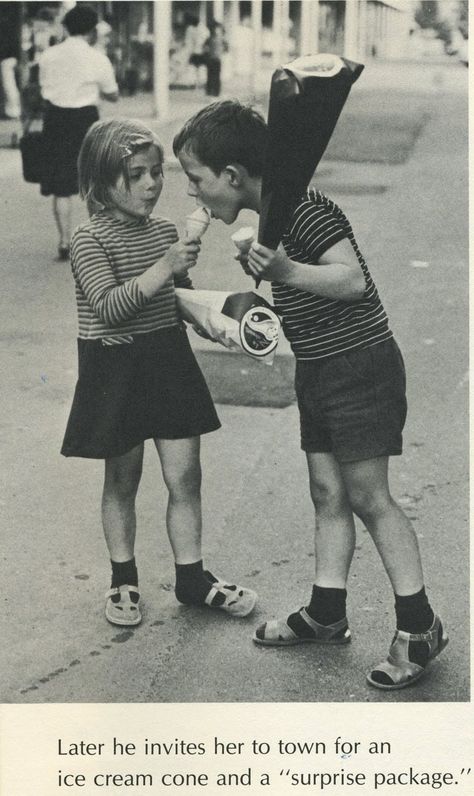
[(316, 326), (107, 256)]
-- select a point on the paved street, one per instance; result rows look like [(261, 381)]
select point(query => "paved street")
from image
[(409, 211)]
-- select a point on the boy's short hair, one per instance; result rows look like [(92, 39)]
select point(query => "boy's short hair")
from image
[(80, 20), (105, 156), (225, 132)]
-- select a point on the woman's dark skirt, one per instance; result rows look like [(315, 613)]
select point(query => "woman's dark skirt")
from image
[(64, 130), (130, 392)]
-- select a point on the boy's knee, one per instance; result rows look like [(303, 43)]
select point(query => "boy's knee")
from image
[(326, 497), (369, 505)]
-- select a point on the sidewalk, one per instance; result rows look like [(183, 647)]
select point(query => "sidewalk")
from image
[(258, 516), (412, 76)]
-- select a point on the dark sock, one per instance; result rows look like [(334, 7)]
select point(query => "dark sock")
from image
[(414, 613), (327, 606), (192, 585), (124, 572)]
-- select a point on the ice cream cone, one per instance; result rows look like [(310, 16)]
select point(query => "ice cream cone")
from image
[(197, 223), (243, 238)]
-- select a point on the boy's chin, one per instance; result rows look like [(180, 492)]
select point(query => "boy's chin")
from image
[(226, 218)]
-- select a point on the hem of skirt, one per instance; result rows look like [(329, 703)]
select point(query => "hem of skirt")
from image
[(70, 452)]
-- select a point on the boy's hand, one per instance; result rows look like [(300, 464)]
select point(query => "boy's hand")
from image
[(182, 255), (243, 259), (267, 264)]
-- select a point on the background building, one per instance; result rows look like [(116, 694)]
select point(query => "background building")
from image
[(147, 41)]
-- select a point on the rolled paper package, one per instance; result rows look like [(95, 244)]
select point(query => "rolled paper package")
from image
[(197, 223), (239, 321), (306, 99)]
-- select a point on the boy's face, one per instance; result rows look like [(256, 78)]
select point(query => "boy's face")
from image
[(218, 192)]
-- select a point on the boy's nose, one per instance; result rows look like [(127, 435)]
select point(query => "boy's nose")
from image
[(191, 190)]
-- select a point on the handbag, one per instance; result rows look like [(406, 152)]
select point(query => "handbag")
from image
[(33, 154)]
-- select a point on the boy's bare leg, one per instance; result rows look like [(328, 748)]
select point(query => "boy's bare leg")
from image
[(393, 535), (122, 477), (181, 468), (334, 539)]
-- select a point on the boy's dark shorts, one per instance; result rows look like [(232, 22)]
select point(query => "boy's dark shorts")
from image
[(353, 404)]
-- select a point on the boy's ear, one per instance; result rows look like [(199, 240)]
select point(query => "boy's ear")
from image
[(236, 174)]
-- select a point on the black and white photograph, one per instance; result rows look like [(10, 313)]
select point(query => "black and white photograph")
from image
[(210, 209)]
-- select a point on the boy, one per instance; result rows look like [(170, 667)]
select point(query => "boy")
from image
[(350, 386)]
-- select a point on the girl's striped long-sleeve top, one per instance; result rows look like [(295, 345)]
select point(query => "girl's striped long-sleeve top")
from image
[(107, 256)]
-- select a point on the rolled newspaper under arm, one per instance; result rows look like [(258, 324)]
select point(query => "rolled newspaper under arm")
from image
[(239, 321), (306, 99)]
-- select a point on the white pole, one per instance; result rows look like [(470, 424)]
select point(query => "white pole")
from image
[(309, 27), (350, 28), (256, 7), (276, 34), (218, 11), (161, 44), (362, 48)]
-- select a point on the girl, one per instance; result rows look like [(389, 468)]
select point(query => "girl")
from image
[(138, 378)]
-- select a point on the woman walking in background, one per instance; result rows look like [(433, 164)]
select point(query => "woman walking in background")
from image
[(73, 77)]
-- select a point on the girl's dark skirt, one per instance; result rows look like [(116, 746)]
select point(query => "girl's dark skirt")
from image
[(64, 130), (127, 393)]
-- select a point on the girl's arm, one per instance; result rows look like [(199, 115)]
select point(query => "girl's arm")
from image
[(112, 302)]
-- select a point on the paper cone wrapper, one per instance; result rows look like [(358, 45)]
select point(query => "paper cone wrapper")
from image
[(306, 99), (239, 321)]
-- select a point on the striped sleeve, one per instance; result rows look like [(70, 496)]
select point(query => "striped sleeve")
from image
[(111, 301), (183, 281), (317, 227)]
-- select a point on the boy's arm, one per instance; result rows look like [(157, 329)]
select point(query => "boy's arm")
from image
[(337, 275)]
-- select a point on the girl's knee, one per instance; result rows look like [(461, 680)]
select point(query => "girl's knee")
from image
[(123, 481), (183, 480)]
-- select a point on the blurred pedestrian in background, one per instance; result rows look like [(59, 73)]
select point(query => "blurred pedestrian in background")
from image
[(195, 35), (214, 48), (73, 77), (10, 26)]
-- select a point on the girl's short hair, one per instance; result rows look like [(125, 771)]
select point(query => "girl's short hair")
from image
[(225, 132), (105, 156)]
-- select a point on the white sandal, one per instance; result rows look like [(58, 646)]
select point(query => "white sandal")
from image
[(239, 601), (122, 611)]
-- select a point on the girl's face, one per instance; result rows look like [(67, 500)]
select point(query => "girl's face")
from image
[(146, 183)]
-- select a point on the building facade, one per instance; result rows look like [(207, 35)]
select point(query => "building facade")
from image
[(147, 41)]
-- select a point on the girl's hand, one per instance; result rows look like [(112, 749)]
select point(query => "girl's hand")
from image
[(181, 256), (267, 264)]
